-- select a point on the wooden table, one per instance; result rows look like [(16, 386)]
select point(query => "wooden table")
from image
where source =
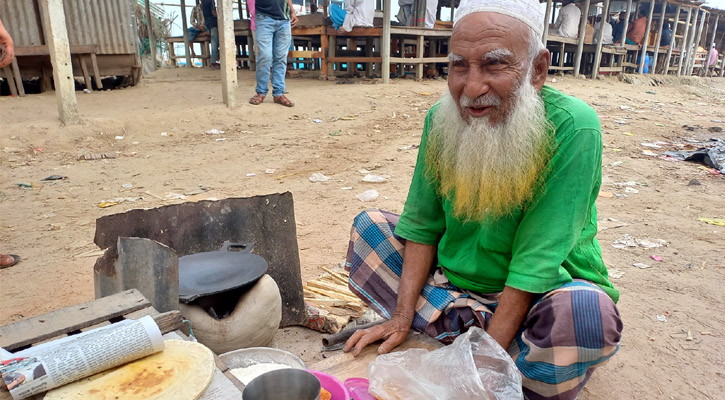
[(130, 304)]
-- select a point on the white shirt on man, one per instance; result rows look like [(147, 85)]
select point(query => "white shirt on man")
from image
[(359, 13), (567, 24), (607, 38)]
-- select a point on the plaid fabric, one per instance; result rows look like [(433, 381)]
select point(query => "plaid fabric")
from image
[(567, 333)]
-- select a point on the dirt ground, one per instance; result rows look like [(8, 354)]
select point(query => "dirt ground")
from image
[(164, 150)]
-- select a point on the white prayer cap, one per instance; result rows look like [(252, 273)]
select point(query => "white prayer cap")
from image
[(526, 11)]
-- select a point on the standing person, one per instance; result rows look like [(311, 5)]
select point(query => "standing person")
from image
[(499, 227), (208, 8), (274, 20)]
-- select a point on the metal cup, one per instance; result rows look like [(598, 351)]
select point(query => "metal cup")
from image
[(283, 384)]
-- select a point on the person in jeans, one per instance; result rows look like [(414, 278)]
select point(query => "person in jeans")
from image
[(210, 20), (274, 20)]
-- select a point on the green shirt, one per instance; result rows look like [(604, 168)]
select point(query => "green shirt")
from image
[(536, 250)]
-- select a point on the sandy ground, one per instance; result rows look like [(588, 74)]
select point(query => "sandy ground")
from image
[(364, 126)]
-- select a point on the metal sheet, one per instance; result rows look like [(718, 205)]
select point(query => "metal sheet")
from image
[(108, 23)]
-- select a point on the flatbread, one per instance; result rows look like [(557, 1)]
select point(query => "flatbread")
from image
[(182, 371)]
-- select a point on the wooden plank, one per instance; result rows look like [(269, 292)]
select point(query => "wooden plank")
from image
[(358, 31), (611, 69), (345, 365), (227, 45), (626, 22), (305, 54), (671, 44), (45, 51), (308, 30), (643, 54), (150, 30), (18, 79), (185, 28), (683, 46), (69, 319), (424, 60), (84, 70), (547, 16), (56, 36), (697, 41), (600, 36), (419, 54), (354, 59), (427, 32), (96, 72), (8, 74), (385, 42), (169, 321), (658, 38), (582, 33)]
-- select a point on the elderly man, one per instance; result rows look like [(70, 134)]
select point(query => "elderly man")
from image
[(499, 226)]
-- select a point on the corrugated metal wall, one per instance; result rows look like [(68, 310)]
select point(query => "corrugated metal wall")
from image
[(108, 23)]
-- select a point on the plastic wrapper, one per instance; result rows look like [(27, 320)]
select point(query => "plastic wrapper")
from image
[(474, 366)]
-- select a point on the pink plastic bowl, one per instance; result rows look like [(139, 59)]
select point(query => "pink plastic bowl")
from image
[(332, 385)]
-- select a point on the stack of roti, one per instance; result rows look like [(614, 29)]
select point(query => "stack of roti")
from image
[(182, 371)]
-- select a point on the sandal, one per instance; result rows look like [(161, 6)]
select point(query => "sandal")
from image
[(257, 99), (282, 99), (15, 258)]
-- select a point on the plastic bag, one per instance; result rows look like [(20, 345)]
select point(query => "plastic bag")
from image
[(474, 366)]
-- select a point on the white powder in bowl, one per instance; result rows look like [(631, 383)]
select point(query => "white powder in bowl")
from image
[(246, 374)]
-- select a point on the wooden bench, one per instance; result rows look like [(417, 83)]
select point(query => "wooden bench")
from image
[(433, 36), (556, 42), (353, 57), (83, 54), (243, 38)]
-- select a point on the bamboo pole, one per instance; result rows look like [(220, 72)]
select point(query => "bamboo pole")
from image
[(598, 52), (684, 49), (672, 40), (549, 4), (385, 42), (56, 36), (696, 44), (186, 35), (582, 32), (659, 38), (228, 53), (150, 29), (645, 40), (626, 22), (710, 45)]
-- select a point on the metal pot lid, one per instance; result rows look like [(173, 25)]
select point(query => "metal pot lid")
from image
[(231, 267)]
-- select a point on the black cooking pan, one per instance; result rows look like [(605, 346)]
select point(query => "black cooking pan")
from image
[(231, 267)]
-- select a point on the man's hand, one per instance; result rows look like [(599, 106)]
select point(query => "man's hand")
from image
[(293, 19), (510, 314), (6, 44), (393, 332)]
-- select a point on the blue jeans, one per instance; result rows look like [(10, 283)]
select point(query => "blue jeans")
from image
[(273, 42), (214, 32)]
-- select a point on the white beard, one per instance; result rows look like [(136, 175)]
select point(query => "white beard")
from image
[(489, 170)]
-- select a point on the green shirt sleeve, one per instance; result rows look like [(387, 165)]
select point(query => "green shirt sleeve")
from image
[(423, 220), (553, 224)]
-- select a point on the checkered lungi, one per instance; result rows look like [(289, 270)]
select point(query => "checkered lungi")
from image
[(567, 333)]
